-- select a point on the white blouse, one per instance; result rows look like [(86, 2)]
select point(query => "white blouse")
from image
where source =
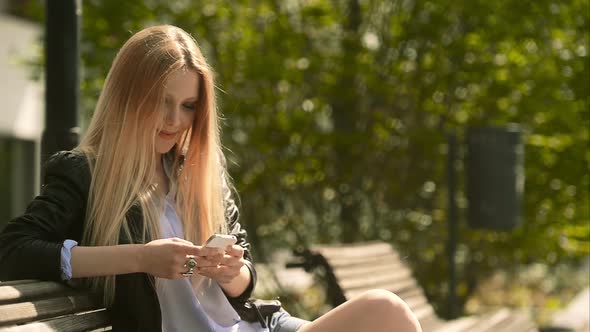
[(196, 303)]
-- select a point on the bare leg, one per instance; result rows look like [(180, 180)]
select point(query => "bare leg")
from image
[(375, 311)]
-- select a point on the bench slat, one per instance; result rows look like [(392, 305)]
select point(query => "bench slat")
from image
[(373, 279), (431, 323), (575, 316), (355, 250), (416, 302), (17, 282), (411, 293), (30, 311), (361, 270), (489, 322), (481, 323), (30, 291), (514, 322), (458, 325), (395, 286), (337, 262), (424, 312), (71, 323)]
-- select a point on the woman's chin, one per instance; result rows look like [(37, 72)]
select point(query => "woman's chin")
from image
[(164, 148)]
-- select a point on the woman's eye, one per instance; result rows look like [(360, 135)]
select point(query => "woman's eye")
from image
[(189, 106)]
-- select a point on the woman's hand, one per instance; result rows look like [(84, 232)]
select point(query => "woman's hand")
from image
[(229, 267), (165, 258)]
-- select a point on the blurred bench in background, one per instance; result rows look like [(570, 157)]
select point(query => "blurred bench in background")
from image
[(351, 269), (274, 279), (575, 317)]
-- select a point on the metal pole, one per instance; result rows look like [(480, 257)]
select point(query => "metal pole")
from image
[(452, 225), (61, 76)]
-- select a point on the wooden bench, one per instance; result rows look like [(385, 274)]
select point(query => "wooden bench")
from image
[(43, 306), (575, 317), (32, 305), (352, 269)]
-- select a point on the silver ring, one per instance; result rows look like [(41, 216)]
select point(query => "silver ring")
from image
[(190, 264)]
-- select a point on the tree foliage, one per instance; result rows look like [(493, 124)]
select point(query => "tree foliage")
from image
[(335, 115)]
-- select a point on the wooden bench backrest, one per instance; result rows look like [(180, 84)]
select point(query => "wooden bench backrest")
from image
[(375, 265), (352, 269), (24, 303)]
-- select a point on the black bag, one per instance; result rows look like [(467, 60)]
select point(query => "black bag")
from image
[(256, 310)]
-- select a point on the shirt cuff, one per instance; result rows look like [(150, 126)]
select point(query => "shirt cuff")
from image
[(66, 256)]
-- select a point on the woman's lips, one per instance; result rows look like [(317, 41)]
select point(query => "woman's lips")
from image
[(166, 135)]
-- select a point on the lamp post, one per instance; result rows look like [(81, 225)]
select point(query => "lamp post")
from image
[(495, 188), (61, 76)]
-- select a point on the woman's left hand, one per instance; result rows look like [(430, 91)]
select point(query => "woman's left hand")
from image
[(229, 267)]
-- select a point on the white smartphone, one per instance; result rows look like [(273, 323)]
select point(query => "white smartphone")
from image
[(221, 241)]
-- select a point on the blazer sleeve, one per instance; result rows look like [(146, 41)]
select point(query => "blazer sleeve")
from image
[(232, 216), (30, 245)]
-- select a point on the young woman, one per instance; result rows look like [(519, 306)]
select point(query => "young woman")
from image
[(128, 210)]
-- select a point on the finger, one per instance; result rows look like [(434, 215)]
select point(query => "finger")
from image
[(215, 255), (212, 272), (198, 250), (214, 260), (219, 272), (232, 262), (235, 251), (187, 249), (183, 241), (229, 272), (206, 251), (201, 261), (205, 262), (207, 269)]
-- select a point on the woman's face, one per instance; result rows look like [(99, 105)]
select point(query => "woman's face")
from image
[(180, 99)]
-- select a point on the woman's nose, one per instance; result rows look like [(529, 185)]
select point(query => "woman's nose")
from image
[(172, 116)]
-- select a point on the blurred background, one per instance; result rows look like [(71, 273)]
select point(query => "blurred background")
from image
[(336, 116)]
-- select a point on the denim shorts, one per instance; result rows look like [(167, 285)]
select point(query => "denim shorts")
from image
[(282, 321)]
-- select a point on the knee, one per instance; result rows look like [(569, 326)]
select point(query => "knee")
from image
[(382, 300), (391, 310)]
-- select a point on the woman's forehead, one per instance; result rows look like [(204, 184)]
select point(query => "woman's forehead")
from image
[(182, 84)]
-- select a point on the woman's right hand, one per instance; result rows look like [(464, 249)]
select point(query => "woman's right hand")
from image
[(165, 258)]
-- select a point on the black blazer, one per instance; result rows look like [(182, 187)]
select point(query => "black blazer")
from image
[(30, 245)]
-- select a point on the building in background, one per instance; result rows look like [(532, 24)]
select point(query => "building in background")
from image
[(21, 115)]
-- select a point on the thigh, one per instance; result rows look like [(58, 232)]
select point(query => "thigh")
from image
[(376, 310)]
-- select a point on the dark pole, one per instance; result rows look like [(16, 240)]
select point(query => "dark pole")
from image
[(452, 224), (61, 76)]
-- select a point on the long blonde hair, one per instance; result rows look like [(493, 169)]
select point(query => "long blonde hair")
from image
[(120, 146)]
